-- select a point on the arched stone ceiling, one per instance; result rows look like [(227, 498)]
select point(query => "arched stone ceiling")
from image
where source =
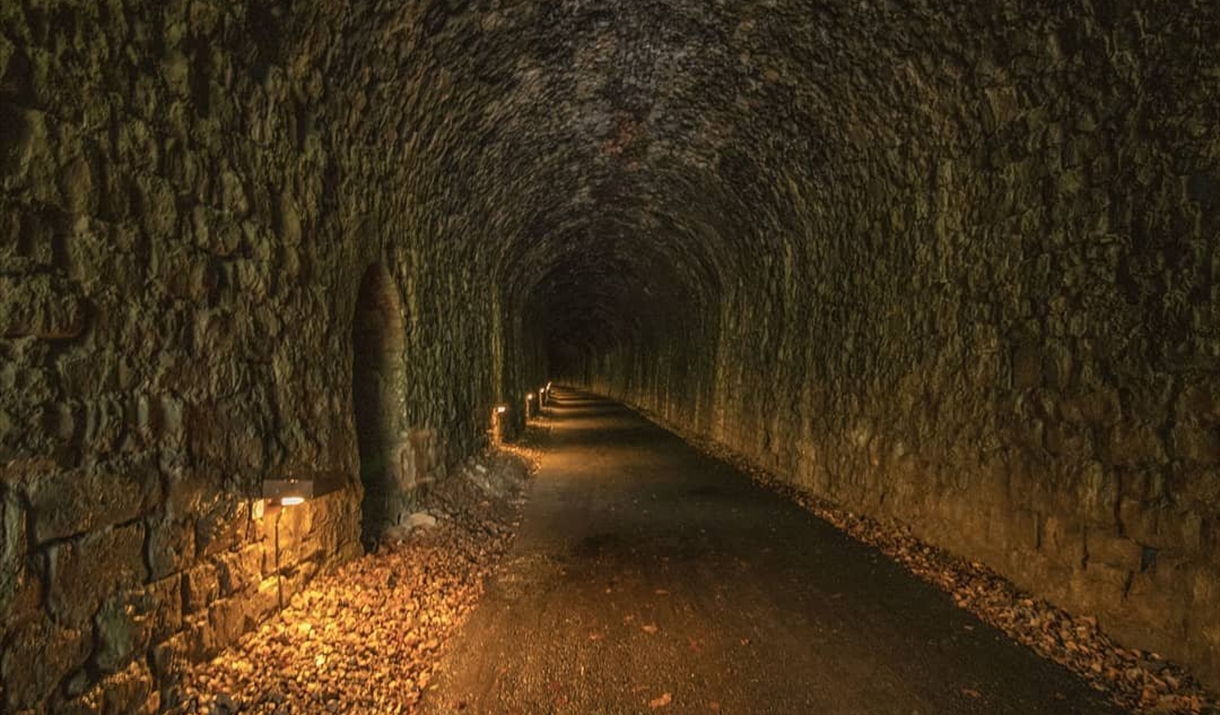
[(654, 148), (578, 150)]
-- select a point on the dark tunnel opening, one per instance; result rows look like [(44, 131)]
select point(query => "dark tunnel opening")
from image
[(378, 391)]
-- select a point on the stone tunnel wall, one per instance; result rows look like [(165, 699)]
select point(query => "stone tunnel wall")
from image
[(1003, 331), (188, 202)]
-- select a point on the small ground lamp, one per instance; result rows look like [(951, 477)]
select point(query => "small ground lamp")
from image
[(496, 413), (286, 493), (529, 404)]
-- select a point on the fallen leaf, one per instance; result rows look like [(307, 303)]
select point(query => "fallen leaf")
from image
[(661, 701), (650, 628)]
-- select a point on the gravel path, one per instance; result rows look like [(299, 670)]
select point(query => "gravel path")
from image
[(648, 577), (651, 576)]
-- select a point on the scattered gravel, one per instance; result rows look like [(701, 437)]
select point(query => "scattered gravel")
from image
[(366, 637), (1138, 680)]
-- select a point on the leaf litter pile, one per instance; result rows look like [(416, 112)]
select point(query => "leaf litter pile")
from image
[(365, 637), (1137, 680)]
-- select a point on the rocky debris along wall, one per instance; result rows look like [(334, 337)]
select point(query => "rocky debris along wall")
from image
[(187, 204), (1001, 323)]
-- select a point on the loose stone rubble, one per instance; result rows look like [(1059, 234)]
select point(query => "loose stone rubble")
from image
[(365, 637)]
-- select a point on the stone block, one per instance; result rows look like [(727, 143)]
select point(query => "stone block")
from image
[(37, 657), (41, 306), (118, 635), (227, 620), (1069, 440), (1057, 365), (293, 582), (71, 502), (28, 146), (1097, 494), (1100, 407), (186, 490), (1063, 539), (88, 569), (20, 583), (222, 525), (200, 587), (1139, 519), (171, 546), (240, 570), (265, 600), (1098, 588), (1113, 550), (160, 607), (1134, 444), (1024, 531), (1179, 531), (77, 182), (1199, 401), (1026, 366), (1196, 443)]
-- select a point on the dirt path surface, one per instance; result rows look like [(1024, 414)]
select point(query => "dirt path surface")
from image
[(649, 578)]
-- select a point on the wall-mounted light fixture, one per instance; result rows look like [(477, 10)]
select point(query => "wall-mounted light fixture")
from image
[(290, 492), (501, 409)]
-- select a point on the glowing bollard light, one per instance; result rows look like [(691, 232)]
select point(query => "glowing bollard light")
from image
[(497, 436)]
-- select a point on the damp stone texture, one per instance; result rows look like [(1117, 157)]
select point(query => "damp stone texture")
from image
[(988, 304), (953, 263), (191, 194)]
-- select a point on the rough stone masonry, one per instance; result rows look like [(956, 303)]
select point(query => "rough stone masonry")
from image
[(951, 262)]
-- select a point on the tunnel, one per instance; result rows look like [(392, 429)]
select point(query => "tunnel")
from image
[(945, 266)]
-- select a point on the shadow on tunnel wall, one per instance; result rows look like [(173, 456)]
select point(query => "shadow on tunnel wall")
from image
[(379, 383)]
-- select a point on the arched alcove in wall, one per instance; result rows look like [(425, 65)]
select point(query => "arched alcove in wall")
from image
[(378, 400)]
